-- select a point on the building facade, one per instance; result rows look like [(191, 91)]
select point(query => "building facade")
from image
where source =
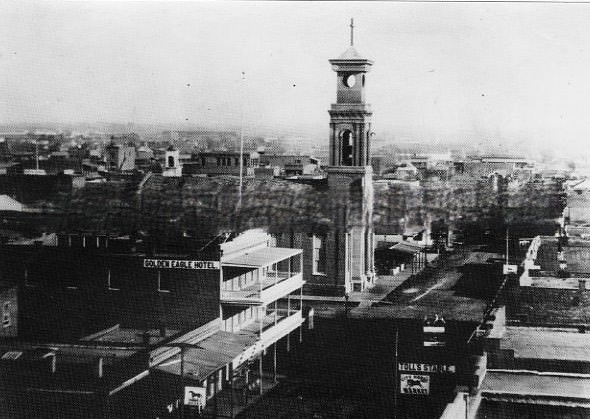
[(350, 172), (205, 312)]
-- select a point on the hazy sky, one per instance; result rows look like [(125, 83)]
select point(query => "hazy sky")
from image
[(515, 72)]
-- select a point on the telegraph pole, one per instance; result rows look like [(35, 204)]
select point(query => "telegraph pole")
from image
[(241, 140), (395, 373)]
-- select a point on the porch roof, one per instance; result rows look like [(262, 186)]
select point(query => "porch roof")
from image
[(261, 258), (406, 248), (211, 354)]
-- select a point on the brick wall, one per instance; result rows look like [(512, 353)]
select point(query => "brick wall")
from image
[(50, 307)]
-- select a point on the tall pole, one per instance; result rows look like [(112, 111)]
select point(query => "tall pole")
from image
[(182, 382), (231, 394), (506, 245), (395, 374), (241, 139), (351, 32), (36, 154)]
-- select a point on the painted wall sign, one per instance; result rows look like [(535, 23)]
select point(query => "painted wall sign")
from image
[(414, 384), (418, 367), (434, 329), (195, 396), (509, 269), (180, 264)]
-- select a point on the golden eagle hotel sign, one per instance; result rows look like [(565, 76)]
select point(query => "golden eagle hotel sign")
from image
[(180, 264)]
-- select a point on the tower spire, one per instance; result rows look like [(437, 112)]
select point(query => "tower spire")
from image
[(351, 32)]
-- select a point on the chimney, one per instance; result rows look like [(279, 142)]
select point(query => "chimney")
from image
[(99, 367), (53, 362), (162, 330), (146, 338)]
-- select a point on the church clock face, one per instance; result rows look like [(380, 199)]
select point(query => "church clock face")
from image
[(349, 80)]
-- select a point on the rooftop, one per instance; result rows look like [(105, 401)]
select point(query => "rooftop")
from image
[(120, 335), (210, 354), (526, 384), (547, 344), (444, 303), (262, 257), (576, 253)]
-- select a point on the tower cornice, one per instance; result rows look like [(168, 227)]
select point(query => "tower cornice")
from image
[(357, 65)]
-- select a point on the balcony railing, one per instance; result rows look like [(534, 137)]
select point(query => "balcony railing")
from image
[(274, 285), (275, 324)]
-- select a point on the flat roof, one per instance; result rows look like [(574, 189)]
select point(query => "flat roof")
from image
[(451, 307), (262, 257), (532, 383), (478, 258), (128, 335), (544, 343), (576, 253)]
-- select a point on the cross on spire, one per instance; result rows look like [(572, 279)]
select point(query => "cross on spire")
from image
[(351, 31)]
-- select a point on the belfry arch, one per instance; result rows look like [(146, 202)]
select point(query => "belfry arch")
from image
[(346, 148)]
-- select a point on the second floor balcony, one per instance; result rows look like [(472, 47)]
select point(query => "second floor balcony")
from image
[(261, 276)]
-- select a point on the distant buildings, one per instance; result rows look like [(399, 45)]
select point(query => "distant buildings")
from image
[(484, 166), (119, 157), (217, 163)]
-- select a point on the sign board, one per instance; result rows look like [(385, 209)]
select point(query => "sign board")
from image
[(419, 367), (509, 269), (434, 329), (434, 336), (180, 264), (414, 384), (195, 396)]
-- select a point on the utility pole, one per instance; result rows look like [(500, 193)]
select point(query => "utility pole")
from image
[(182, 348), (395, 373), (36, 154), (241, 139), (506, 245)]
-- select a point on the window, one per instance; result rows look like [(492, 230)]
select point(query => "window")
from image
[(203, 162), (31, 276), (171, 161), (113, 283), (70, 278), (346, 148), (319, 254), (237, 161), (164, 281)]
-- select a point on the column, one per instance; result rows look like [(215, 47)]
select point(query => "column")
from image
[(274, 367), (301, 309), (260, 372), (288, 314)]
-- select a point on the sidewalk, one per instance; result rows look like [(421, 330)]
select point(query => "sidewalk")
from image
[(384, 285), (226, 405)]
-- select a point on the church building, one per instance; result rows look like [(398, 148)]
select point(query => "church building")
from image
[(342, 258)]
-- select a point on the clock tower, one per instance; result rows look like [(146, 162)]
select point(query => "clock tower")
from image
[(350, 116), (349, 172)]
